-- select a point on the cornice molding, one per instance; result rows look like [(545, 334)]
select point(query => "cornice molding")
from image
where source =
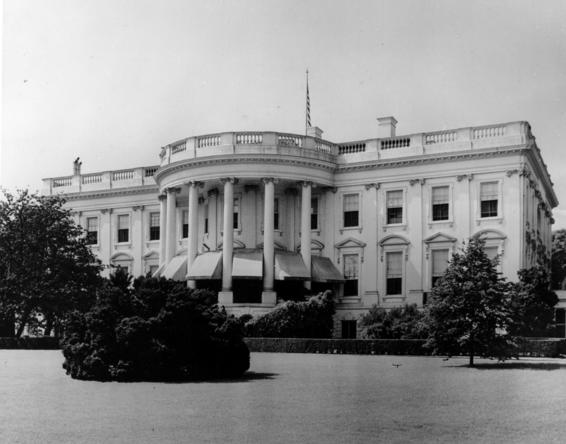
[(113, 192)]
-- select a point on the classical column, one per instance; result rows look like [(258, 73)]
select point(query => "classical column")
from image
[(306, 226), (192, 248), (228, 236), (162, 228), (268, 295), (171, 224)]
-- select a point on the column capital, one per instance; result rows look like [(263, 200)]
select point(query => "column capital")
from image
[(173, 190), (232, 180), (195, 183), (461, 177), (106, 210), (269, 180), (213, 192), (138, 207), (332, 189), (305, 183), (162, 197), (375, 185)]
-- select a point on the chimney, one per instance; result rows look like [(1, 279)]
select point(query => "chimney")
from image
[(386, 127), (314, 131)]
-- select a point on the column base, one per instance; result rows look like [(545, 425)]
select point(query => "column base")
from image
[(225, 298), (268, 297)]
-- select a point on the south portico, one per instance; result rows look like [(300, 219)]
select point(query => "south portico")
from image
[(228, 261)]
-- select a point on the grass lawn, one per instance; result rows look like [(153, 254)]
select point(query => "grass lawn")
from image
[(291, 398)]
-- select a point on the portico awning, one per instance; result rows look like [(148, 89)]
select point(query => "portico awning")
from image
[(290, 266), (247, 264), (176, 269), (206, 266), (323, 270)]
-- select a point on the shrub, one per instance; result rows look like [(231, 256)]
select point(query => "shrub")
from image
[(398, 323), (157, 330), (308, 319)]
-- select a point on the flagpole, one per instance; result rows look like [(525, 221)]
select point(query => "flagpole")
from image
[(308, 107)]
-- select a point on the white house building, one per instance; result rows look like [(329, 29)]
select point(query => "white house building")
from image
[(260, 216)]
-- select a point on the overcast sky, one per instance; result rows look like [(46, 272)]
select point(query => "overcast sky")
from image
[(112, 81)]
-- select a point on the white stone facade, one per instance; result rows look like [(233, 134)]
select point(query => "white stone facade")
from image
[(387, 212)]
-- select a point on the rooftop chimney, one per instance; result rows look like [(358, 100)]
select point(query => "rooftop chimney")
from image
[(314, 131), (386, 127)]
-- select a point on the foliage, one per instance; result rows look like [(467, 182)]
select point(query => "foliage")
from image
[(533, 303), (558, 260), (156, 330), (46, 267), (398, 323), (307, 319), (470, 311)]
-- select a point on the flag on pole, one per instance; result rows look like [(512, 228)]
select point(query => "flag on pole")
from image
[(308, 110)]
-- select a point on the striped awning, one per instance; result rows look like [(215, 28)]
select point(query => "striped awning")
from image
[(290, 266), (206, 266), (323, 270)]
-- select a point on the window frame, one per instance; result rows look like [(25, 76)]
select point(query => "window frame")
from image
[(433, 250), (401, 278), (184, 226), (450, 203), (343, 213), (88, 232), (403, 207), (357, 279), (499, 200), (128, 230), (151, 231)]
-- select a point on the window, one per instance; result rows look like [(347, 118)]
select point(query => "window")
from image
[(153, 226), (439, 265), (123, 228), (351, 273), (236, 213), (351, 210), (185, 229), (206, 219), (92, 230), (276, 214), (489, 197), (394, 201), (440, 203), (394, 273), (349, 329), (314, 213)]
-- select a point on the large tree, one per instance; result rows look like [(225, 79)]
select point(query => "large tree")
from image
[(558, 260), (46, 266), (470, 312)]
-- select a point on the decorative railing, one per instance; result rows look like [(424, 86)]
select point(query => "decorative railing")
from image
[(325, 147), (401, 142), (122, 175), (179, 147), (440, 137), (249, 138), (92, 178), (490, 131), (63, 182), (350, 148), (206, 141), (289, 140), (149, 172)]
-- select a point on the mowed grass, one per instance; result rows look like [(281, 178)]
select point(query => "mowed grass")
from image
[(291, 398)]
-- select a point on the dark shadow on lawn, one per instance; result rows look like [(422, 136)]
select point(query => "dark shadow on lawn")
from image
[(515, 366), (246, 377)]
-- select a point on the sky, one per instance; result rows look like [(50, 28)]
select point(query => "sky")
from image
[(112, 81)]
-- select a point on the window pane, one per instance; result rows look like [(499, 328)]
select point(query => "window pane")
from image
[(351, 266), (351, 219), (489, 208), (123, 221), (394, 286), (395, 215), (440, 195), (489, 191), (440, 212), (185, 216), (439, 262), (123, 235), (92, 224), (394, 264), (154, 220), (351, 287), (351, 202), (395, 198)]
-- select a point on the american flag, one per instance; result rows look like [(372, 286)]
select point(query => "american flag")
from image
[(308, 111)]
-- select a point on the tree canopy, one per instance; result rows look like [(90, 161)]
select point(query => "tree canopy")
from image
[(558, 260), (46, 267), (470, 311)]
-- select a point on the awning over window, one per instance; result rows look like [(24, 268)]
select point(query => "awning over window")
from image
[(206, 266), (247, 264), (176, 269), (290, 266), (323, 270)]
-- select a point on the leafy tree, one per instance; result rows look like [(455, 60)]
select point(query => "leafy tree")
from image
[(398, 323), (533, 303), (558, 260), (156, 330), (470, 310), (46, 267)]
